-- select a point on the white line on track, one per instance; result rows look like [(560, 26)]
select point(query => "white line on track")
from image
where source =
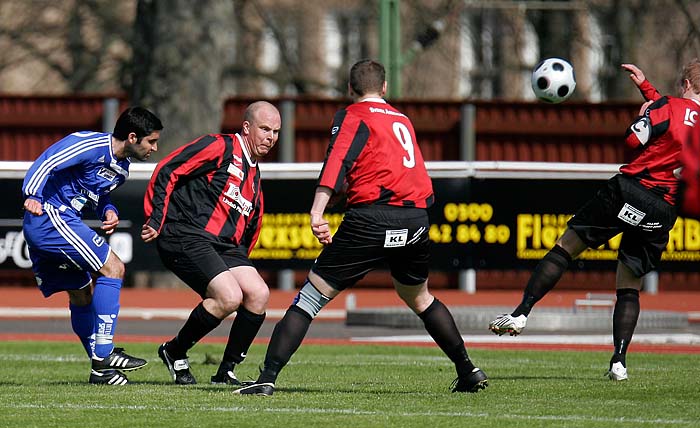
[(178, 313), (548, 339)]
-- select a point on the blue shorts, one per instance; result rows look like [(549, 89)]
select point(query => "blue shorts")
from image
[(63, 249)]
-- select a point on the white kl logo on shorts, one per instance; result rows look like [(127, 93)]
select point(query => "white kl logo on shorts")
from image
[(631, 215), (395, 238)]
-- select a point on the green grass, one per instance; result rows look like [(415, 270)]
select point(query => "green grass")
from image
[(44, 384)]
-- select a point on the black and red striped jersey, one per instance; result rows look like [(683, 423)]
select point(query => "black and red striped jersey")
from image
[(373, 151), (659, 135), (690, 198), (211, 184), (690, 176)]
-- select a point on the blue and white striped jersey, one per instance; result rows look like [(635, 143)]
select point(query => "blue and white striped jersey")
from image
[(77, 171)]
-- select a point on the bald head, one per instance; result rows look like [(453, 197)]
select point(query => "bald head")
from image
[(261, 126), (254, 109)]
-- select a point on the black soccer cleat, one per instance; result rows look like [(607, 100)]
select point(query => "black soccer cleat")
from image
[(108, 377), (119, 360), (473, 382), (265, 389), (225, 376), (179, 369)]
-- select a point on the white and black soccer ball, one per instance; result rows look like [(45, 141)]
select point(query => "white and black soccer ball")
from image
[(553, 80)]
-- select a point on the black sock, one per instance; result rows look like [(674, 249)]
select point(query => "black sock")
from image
[(199, 324), (545, 276), (243, 330), (441, 326), (624, 321), (286, 339)]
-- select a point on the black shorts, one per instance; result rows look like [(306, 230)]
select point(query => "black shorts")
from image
[(377, 237), (196, 257), (644, 219)]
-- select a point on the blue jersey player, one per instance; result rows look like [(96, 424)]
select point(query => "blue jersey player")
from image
[(74, 175)]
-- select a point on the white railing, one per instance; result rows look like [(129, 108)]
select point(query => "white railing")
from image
[(448, 169)]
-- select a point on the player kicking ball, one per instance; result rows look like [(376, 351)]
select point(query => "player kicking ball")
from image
[(74, 175), (639, 202)]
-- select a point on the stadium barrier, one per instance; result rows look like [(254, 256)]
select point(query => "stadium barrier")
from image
[(488, 216)]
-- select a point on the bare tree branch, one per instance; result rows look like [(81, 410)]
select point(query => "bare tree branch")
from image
[(36, 52)]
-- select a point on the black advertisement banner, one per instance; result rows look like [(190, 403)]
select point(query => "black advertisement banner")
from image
[(475, 223)]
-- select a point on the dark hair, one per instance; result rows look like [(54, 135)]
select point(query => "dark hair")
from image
[(137, 120), (367, 76)]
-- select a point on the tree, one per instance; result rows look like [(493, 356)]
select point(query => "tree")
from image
[(69, 46), (195, 50), (180, 53)]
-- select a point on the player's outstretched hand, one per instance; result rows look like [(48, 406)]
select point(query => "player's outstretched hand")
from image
[(636, 74), (148, 233)]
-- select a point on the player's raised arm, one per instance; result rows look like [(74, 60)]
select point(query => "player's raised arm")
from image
[(648, 90)]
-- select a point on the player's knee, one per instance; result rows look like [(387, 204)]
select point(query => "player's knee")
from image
[(81, 297), (229, 303), (416, 297), (560, 256), (310, 300), (113, 268), (256, 298)]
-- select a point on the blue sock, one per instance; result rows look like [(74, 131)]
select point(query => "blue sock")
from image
[(82, 320), (105, 302)]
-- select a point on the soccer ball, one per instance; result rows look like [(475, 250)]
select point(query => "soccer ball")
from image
[(553, 80)]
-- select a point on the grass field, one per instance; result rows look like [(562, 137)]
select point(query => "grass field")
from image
[(44, 384)]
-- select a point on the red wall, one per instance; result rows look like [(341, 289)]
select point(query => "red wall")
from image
[(571, 132)]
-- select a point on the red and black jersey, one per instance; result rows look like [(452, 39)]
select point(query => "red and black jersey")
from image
[(211, 184), (373, 149), (690, 176), (660, 135)]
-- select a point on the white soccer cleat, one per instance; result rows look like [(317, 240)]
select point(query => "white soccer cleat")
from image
[(507, 323), (617, 372)]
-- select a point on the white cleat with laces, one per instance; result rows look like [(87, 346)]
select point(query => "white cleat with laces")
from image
[(507, 323), (617, 372)]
